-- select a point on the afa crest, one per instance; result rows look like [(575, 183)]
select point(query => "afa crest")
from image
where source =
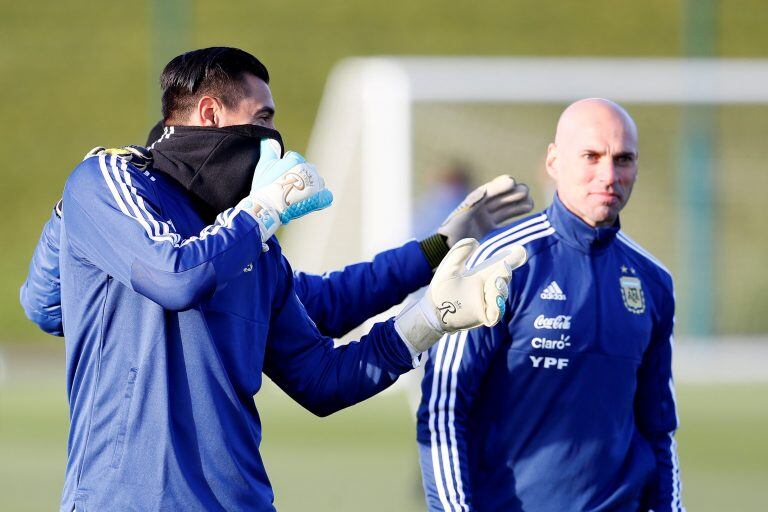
[(632, 294)]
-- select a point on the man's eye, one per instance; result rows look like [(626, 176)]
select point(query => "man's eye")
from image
[(590, 156), (625, 159)]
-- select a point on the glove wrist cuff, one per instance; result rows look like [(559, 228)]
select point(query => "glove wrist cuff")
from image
[(434, 248), (416, 325), (267, 218)]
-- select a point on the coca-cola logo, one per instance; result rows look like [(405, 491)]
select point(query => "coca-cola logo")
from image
[(555, 322)]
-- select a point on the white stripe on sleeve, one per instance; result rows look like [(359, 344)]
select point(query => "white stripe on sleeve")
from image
[(436, 471), (132, 204), (450, 349)]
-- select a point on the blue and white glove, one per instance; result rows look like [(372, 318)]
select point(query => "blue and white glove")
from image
[(283, 189)]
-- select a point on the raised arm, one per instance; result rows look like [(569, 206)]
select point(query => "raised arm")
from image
[(325, 379), (340, 301), (113, 219)]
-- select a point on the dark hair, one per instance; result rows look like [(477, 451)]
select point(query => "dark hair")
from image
[(216, 71)]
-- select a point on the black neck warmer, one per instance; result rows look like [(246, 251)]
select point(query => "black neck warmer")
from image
[(214, 164)]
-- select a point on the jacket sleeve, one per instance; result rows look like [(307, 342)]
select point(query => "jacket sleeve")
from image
[(319, 376), (453, 373), (113, 220), (40, 295), (656, 415), (340, 301)]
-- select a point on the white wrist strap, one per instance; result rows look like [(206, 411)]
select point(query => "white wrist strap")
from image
[(418, 326), (267, 219)]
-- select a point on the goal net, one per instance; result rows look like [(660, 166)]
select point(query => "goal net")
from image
[(392, 130)]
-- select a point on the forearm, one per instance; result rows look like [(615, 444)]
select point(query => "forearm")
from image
[(40, 295), (156, 262), (325, 379), (656, 414), (340, 301), (663, 493), (46, 317)]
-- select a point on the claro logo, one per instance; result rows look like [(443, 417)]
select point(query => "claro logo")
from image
[(562, 343), (556, 322)]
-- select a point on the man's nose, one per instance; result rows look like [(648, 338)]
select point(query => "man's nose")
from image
[(607, 171)]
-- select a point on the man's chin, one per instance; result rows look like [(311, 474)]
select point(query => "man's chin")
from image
[(604, 216)]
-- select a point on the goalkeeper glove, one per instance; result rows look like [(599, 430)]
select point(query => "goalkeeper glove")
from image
[(486, 208), (459, 299), (283, 189)]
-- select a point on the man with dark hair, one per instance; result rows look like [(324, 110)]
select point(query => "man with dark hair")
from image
[(172, 312), (221, 73)]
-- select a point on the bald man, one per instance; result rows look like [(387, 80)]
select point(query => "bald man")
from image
[(567, 404)]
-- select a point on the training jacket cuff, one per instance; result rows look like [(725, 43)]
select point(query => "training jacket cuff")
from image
[(401, 356), (413, 351), (435, 248), (414, 265)]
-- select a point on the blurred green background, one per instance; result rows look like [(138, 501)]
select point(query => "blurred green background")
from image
[(79, 75)]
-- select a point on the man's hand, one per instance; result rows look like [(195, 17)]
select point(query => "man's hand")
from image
[(283, 189), (459, 299), (488, 207)]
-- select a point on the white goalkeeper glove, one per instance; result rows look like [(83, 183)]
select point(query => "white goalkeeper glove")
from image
[(486, 208), (283, 189), (459, 299)]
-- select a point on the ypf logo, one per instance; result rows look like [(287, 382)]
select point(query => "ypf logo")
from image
[(547, 363)]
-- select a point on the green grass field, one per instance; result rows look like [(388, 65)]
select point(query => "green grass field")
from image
[(364, 458)]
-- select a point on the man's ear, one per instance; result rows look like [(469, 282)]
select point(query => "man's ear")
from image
[(552, 163), (207, 112)]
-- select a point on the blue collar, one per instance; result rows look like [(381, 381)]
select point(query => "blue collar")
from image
[(575, 232)]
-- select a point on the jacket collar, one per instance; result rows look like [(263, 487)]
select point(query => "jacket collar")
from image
[(215, 165), (577, 233)]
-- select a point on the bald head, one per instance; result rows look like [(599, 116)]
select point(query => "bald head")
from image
[(593, 114), (593, 159)]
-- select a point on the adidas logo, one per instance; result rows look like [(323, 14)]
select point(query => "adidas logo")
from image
[(552, 292)]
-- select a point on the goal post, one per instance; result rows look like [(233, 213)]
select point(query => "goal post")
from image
[(363, 138)]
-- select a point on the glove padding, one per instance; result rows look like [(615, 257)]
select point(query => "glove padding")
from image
[(283, 189), (459, 299), (486, 208)]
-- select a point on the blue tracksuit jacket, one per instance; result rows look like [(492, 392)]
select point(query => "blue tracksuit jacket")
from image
[(336, 301), (567, 404), (40, 295), (168, 326)]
